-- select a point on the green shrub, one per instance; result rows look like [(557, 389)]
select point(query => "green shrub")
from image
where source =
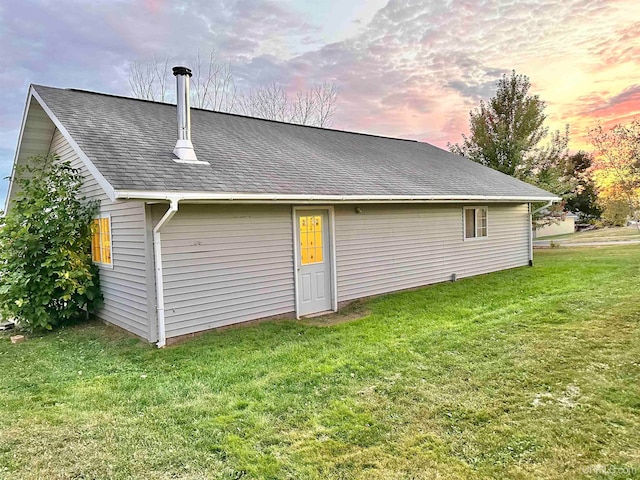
[(46, 274)]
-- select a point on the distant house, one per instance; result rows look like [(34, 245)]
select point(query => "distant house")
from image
[(560, 226), (253, 218)]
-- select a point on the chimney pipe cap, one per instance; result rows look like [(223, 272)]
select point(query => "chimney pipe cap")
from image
[(181, 71)]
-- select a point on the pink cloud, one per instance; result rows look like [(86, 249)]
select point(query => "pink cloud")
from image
[(622, 105)]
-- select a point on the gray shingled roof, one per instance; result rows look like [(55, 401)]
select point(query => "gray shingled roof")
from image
[(131, 142)]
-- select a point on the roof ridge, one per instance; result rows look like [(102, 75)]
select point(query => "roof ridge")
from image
[(124, 97)]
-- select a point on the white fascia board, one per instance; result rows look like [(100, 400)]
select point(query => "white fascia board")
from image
[(298, 198), (106, 186), (15, 158)]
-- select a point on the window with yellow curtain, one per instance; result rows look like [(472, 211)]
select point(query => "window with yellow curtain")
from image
[(101, 240)]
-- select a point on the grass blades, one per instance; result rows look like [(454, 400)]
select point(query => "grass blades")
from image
[(527, 373)]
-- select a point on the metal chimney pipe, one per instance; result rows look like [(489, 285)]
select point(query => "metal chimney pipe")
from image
[(184, 148)]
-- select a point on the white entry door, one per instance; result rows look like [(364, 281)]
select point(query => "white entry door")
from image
[(314, 262)]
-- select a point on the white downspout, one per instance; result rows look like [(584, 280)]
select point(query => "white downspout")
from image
[(530, 236), (531, 214), (157, 252), (542, 207)]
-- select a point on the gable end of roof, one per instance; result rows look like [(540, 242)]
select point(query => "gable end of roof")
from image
[(102, 181)]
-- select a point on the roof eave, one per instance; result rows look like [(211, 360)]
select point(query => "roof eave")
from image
[(209, 197)]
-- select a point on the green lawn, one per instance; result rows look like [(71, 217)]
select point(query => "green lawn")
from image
[(529, 373), (610, 234)]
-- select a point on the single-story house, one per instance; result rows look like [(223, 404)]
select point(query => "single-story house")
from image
[(559, 226), (243, 218)]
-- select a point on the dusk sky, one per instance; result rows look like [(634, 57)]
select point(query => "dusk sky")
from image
[(404, 68)]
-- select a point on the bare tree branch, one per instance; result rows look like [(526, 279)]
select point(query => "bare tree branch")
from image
[(161, 69), (326, 97), (311, 107), (149, 80), (303, 108), (141, 80), (224, 94), (213, 88), (268, 102)]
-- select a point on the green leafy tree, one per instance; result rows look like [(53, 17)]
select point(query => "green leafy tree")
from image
[(506, 131), (506, 134), (583, 199), (547, 166), (46, 274)]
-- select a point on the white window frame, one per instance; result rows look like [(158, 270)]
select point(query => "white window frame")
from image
[(102, 264), (464, 223)]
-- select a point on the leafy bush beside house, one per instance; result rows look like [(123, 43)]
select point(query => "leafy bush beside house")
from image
[(47, 277)]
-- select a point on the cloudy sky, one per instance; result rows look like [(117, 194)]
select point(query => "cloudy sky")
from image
[(407, 68)]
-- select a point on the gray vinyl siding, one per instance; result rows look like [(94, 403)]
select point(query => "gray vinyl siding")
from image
[(36, 138), (394, 247), (225, 264), (127, 301)]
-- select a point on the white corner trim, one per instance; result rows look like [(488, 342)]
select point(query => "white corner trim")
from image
[(334, 260), (15, 157), (106, 186), (296, 266)]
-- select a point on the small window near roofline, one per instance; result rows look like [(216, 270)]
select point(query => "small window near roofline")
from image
[(101, 241), (475, 220)]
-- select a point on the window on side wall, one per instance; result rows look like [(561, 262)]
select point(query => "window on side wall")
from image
[(475, 222), (101, 240)]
